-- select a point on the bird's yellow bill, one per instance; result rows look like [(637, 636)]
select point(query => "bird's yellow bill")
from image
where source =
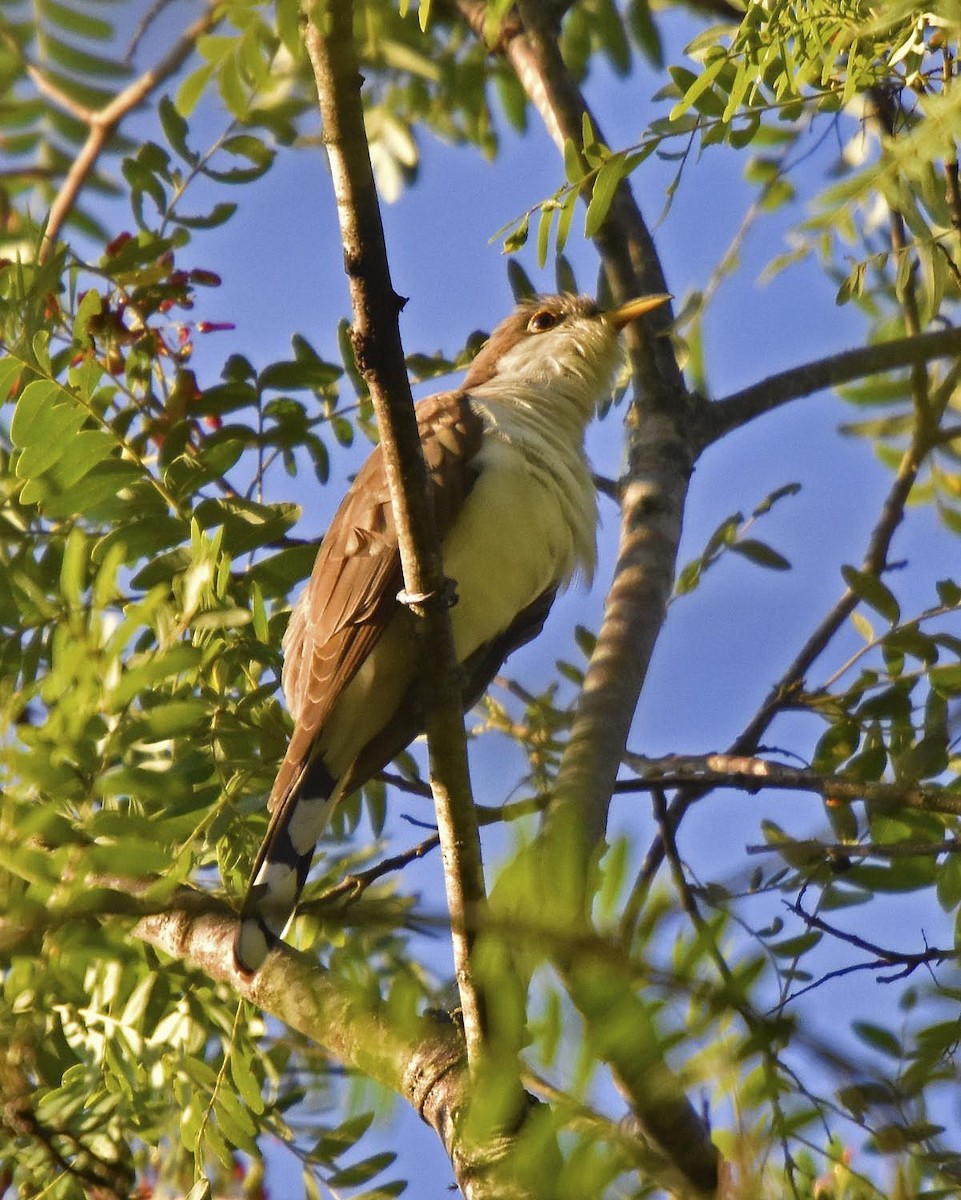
[(623, 315)]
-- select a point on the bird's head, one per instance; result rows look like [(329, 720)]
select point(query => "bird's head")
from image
[(550, 339)]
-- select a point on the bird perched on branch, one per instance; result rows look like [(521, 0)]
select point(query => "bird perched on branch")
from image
[(516, 511)]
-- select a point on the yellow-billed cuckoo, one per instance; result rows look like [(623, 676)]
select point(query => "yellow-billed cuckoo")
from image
[(516, 511)]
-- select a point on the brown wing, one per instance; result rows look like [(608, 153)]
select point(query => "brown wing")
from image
[(357, 574), (478, 671)]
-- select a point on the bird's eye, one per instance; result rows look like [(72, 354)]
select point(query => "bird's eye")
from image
[(542, 320)]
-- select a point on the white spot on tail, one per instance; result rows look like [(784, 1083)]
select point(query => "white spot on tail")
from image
[(251, 946), (307, 823)]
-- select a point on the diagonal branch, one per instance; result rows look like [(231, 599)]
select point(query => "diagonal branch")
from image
[(422, 1060), (103, 122), (380, 355), (767, 395), (907, 960)]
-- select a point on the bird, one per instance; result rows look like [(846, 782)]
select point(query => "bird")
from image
[(516, 511)]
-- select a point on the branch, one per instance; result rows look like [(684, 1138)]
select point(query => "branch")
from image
[(753, 774), (103, 122), (813, 850), (559, 869), (784, 689), (380, 356), (661, 453), (421, 1060), (659, 457), (764, 397), (907, 961)]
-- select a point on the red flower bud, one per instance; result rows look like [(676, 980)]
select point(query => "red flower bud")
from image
[(117, 244)]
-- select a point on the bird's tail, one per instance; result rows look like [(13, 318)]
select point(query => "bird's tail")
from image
[(301, 805)]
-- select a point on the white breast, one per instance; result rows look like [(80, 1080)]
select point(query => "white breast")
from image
[(525, 528)]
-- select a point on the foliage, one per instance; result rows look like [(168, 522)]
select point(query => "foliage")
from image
[(145, 581)]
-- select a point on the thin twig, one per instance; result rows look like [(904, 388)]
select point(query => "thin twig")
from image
[(831, 852), (907, 961), (104, 121), (754, 774), (353, 885)]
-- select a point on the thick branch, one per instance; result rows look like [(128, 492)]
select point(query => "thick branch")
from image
[(655, 490), (103, 122), (420, 1060), (660, 460), (737, 409), (380, 356)]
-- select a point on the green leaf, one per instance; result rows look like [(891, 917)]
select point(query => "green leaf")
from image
[(362, 1171), (288, 26), (835, 745), (175, 718), (520, 282), (518, 236), (141, 677), (142, 538), (283, 376), (256, 152), (761, 554), (248, 1087), (696, 90), (247, 525), (218, 215), (192, 88), (336, 1141), (949, 593), (645, 32), (73, 569), (946, 680), (90, 306), (221, 618), (278, 573), (863, 626), (948, 882), (925, 760), (869, 588), (60, 423), (29, 419), (175, 129), (605, 185), (879, 1038), (563, 230), (795, 947), (573, 163), (82, 498), (78, 61), (82, 22), (235, 1121), (544, 233), (10, 370)]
